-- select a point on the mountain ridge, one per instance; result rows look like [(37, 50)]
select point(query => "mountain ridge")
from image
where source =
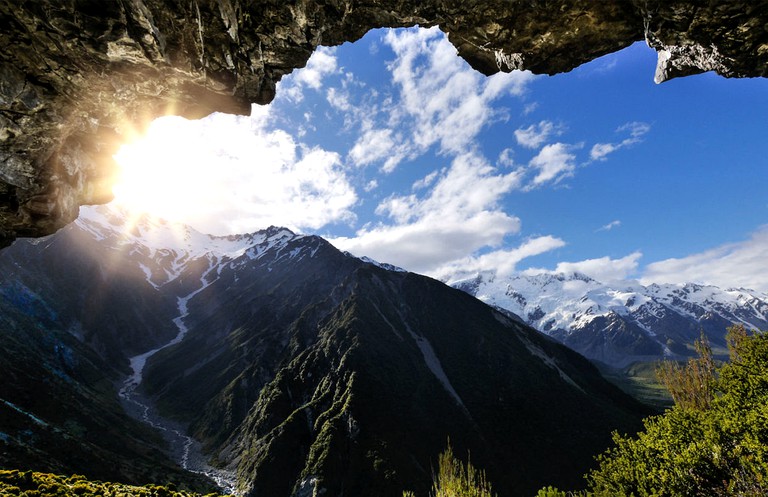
[(623, 322), (305, 369)]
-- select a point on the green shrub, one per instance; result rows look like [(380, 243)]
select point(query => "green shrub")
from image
[(713, 442), (455, 479), (14, 483)]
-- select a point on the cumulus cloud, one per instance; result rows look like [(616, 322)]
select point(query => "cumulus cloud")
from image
[(501, 262), (437, 99), (636, 130), (373, 145), (603, 269), (321, 64), (425, 181), (536, 134), (261, 177), (740, 264), (553, 163), (456, 217), (505, 158)]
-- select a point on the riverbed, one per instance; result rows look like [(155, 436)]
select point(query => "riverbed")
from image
[(183, 449)]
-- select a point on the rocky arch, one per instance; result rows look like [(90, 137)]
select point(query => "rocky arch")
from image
[(78, 76)]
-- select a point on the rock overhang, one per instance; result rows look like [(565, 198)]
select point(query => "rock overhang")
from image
[(78, 76)]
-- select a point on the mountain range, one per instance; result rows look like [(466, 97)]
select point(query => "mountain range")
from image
[(297, 368), (622, 323)]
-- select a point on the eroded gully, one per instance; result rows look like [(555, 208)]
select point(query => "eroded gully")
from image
[(185, 450)]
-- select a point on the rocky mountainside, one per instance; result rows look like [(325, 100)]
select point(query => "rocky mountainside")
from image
[(67, 322), (620, 324), (304, 369), (77, 77)]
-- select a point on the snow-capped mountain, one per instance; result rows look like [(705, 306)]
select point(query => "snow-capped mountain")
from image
[(303, 369), (619, 324), (164, 250)]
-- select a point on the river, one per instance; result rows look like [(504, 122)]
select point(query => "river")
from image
[(185, 450)]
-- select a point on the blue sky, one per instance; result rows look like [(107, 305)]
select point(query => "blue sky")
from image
[(394, 148)]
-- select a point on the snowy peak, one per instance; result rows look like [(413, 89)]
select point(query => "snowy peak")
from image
[(382, 265), (164, 251), (117, 227), (621, 322)]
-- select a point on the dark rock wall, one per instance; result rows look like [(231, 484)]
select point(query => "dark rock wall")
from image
[(79, 77)]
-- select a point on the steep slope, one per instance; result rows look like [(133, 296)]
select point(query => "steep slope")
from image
[(303, 368), (73, 308), (307, 369), (625, 323), (59, 411)]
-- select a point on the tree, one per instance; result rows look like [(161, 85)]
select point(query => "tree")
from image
[(693, 385), (454, 479), (713, 442)]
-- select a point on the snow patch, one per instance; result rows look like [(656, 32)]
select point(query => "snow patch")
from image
[(571, 301), (434, 365), (536, 351), (25, 413)]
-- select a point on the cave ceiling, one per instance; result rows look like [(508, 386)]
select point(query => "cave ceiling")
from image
[(79, 76)]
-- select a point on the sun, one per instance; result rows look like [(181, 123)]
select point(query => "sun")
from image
[(165, 172)]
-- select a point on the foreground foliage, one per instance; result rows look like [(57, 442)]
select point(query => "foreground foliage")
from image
[(713, 442), (30, 484), (455, 479)]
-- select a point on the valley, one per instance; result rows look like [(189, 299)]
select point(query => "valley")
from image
[(276, 358), (184, 450)]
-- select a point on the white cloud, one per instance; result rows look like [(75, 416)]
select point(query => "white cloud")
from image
[(425, 181), (601, 150), (536, 134), (261, 177), (554, 162), (449, 101), (371, 185), (501, 262), (338, 99), (373, 145), (457, 217), (529, 108), (636, 131), (608, 227), (321, 64), (505, 158), (603, 269), (436, 99), (741, 264), (425, 244)]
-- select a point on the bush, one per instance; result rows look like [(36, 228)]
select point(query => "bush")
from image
[(14, 483), (713, 442), (454, 479)]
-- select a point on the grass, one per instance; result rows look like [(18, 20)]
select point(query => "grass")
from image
[(32, 484), (639, 380)]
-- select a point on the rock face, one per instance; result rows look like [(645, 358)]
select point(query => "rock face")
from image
[(77, 77), (309, 371)]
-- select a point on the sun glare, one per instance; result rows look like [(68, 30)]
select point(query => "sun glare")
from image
[(163, 173)]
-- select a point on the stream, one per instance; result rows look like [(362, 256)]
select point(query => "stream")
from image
[(185, 450)]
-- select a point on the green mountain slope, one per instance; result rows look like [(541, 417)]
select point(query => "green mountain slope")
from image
[(328, 373)]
